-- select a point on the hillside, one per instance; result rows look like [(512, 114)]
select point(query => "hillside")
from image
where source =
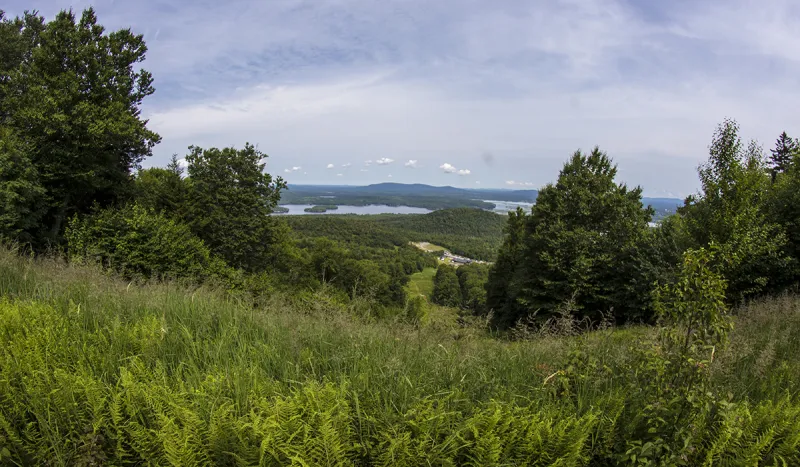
[(99, 371), (470, 232)]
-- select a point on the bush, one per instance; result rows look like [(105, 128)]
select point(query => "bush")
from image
[(139, 243)]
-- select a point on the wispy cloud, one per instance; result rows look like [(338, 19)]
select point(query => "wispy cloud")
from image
[(513, 183), (384, 161), (293, 169), (500, 87), (412, 163), (347, 165)]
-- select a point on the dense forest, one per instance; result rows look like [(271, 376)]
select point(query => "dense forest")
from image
[(164, 316), (465, 231)]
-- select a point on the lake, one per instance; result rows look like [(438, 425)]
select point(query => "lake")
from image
[(506, 206), (298, 209)]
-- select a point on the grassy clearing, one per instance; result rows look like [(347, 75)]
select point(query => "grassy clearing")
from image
[(429, 247), (97, 370), (421, 283)]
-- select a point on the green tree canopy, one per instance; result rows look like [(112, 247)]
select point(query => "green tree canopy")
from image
[(581, 246), (501, 285), (21, 194), (472, 280), (730, 212), (162, 190), (230, 199), (72, 94), (446, 290), (137, 242)]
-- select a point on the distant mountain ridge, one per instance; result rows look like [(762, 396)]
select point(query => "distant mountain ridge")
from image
[(431, 197)]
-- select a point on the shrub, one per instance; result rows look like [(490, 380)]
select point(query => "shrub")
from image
[(139, 243)]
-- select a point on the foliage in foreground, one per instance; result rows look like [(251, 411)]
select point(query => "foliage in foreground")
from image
[(93, 371)]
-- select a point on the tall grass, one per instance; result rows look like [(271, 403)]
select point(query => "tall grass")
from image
[(98, 371)]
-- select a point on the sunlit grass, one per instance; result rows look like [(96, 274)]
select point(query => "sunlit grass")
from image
[(421, 283), (91, 366)]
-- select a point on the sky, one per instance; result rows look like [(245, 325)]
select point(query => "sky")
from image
[(468, 93)]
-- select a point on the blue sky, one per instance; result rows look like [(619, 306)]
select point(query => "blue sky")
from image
[(465, 93)]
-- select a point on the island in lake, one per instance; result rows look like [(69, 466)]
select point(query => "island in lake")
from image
[(321, 209)]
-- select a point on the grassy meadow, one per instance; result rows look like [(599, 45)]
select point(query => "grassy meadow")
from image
[(421, 283), (97, 371)]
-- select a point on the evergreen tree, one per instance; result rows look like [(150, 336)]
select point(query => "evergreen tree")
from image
[(446, 290), (785, 149), (230, 199)]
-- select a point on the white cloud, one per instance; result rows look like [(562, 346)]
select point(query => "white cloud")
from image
[(346, 165), (528, 82), (339, 175), (367, 163), (389, 176), (384, 161), (364, 170), (513, 183), (477, 182), (293, 169), (330, 166), (448, 168), (412, 163)]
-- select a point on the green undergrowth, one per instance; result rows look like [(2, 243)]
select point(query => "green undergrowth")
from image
[(96, 371)]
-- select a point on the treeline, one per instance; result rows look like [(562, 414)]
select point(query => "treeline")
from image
[(585, 248), (72, 141), (462, 287)]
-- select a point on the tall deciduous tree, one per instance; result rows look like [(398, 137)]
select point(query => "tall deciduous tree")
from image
[(446, 290), (72, 94), (162, 190), (501, 284), (730, 212), (21, 194), (230, 199), (581, 245), (472, 280)]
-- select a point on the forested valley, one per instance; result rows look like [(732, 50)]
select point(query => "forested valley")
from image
[(165, 316)]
